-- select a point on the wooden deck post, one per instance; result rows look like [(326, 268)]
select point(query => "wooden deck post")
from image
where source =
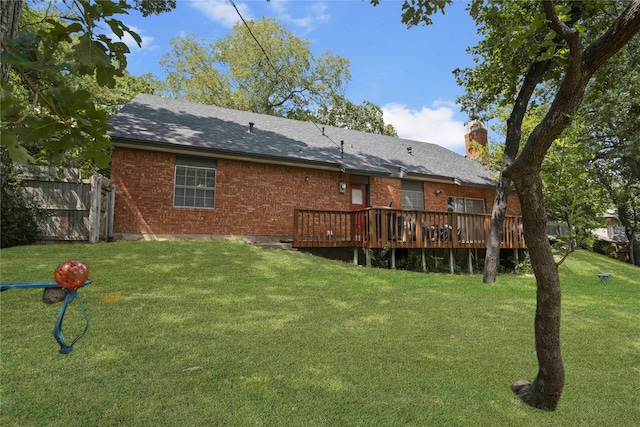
[(469, 262), (516, 256), (355, 256), (393, 258), (367, 256), (424, 261)]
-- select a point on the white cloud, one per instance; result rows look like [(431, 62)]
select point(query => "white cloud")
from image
[(313, 14), (306, 20), (221, 11), (435, 125)]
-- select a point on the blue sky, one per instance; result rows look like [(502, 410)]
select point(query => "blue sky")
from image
[(407, 72)]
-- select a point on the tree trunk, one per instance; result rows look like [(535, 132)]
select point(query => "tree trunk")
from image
[(512, 144), (492, 257), (546, 389), (634, 247), (9, 25)]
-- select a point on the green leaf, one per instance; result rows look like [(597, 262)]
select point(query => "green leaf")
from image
[(105, 76), (11, 107), (37, 129), (17, 152), (116, 27), (90, 55), (69, 101)]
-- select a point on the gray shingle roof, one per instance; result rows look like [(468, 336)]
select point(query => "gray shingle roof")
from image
[(169, 123)]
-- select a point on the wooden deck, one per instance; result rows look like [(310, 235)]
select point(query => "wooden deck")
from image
[(380, 227)]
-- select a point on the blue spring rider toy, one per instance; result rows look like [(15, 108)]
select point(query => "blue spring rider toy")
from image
[(71, 276)]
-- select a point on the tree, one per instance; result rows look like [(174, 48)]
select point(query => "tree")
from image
[(41, 103), (367, 117), (265, 69), (525, 45), (572, 196), (261, 67), (613, 138)]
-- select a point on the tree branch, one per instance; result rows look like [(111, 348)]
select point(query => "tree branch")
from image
[(619, 34), (579, 70), (570, 35)]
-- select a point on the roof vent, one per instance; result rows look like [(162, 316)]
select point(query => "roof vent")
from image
[(250, 127), (397, 171)]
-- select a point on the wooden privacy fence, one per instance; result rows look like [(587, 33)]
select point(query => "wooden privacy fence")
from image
[(78, 210)]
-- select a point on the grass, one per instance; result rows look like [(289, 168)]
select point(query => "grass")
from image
[(222, 333)]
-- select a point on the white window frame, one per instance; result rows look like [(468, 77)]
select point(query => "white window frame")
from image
[(464, 204), (201, 188), (409, 195)]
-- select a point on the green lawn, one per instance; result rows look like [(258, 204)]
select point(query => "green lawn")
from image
[(219, 332)]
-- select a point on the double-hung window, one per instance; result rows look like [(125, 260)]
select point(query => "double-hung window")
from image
[(194, 183), (465, 205), (413, 195)]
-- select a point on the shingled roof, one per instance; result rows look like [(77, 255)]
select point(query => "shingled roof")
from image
[(166, 124)]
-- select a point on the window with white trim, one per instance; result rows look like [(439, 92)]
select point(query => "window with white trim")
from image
[(465, 205), (194, 183), (412, 195)]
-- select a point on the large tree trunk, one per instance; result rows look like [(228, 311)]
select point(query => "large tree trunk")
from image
[(546, 389), (9, 25), (634, 247)]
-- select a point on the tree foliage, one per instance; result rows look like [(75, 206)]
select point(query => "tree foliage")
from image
[(235, 72), (367, 117), (612, 137), (261, 67), (48, 54)]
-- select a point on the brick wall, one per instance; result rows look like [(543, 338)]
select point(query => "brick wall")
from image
[(385, 190), (252, 199), (438, 202)]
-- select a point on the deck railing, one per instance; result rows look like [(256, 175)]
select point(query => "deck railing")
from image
[(379, 227)]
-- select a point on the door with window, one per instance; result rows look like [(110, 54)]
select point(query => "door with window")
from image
[(359, 202)]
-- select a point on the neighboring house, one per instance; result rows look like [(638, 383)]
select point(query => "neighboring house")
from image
[(185, 170), (612, 239), (612, 231)]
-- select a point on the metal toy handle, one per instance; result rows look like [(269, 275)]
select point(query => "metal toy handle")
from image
[(57, 330)]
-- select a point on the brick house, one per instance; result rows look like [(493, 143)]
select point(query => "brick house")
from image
[(185, 170)]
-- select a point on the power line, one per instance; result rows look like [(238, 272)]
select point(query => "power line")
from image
[(281, 78)]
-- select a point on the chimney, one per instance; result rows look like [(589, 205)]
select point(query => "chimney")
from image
[(477, 132)]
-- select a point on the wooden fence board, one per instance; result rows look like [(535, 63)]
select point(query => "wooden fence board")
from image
[(77, 210)]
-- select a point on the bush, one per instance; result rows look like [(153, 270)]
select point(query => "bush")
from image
[(603, 247), (524, 265), (19, 216)]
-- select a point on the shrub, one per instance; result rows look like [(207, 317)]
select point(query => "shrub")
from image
[(19, 216), (524, 265), (603, 247)]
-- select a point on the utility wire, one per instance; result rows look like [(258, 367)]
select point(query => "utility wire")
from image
[(309, 117)]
